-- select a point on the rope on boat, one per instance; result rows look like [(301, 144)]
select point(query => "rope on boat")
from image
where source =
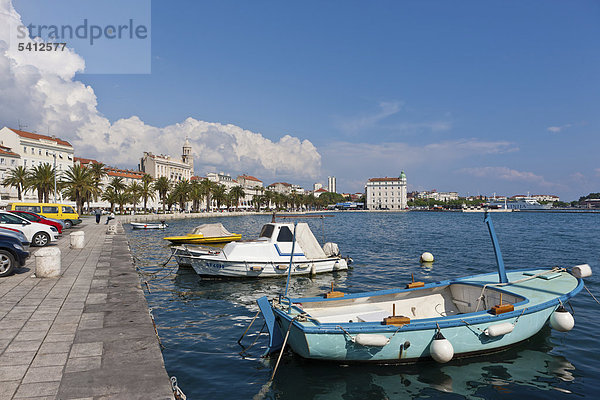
[(287, 334), (177, 392), (246, 331), (593, 297), (481, 297)]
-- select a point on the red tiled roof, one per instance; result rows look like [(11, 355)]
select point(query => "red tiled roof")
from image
[(86, 160), (38, 136), (383, 179), (320, 190), (7, 151), (250, 178), (280, 183), (124, 173)]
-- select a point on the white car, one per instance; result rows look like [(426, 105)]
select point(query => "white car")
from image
[(37, 234)]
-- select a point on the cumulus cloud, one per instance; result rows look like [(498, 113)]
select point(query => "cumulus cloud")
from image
[(41, 90), (507, 174)]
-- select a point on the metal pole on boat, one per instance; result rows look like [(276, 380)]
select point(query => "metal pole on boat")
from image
[(501, 271), (287, 284)]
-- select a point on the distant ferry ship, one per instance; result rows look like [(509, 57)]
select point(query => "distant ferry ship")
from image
[(527, 203)]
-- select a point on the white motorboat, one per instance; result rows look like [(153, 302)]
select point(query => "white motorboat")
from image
[(148, 225), (268, 256)]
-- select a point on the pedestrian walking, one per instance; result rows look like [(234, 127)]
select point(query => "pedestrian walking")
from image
[(98, 212)]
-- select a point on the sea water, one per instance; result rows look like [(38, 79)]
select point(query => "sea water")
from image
[(200, 321)]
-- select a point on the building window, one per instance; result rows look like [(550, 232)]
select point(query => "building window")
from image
[(24, 149)]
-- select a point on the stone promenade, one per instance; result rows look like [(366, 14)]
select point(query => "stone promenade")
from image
[(85, 335)]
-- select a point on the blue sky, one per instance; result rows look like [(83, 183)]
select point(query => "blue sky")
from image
[(469, 96)]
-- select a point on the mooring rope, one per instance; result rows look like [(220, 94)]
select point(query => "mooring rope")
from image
[(593, 297)]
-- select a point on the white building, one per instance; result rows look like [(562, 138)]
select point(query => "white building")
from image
[(317, 186), (8, 161), (331, 184), (439, 196), (252, 187), (34, 150), (280, 187), (222, 179), (174, 169), (386, 193)]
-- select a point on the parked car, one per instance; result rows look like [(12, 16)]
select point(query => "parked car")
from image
[(33, 217), (64, 212), (12, 254), (16, 234), (37, 234)]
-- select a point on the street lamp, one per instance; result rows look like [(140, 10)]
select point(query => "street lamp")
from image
[(54, 155)]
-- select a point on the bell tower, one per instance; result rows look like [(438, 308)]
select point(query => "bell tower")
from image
[(186, 157)]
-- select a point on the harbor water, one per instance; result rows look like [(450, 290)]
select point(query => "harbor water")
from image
[(200, 321)]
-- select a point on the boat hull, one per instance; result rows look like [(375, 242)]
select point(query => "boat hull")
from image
[(315, 333), (137, 225), (257, 269), (199, 239)]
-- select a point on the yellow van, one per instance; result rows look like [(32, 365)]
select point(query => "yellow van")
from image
[(63, 212)]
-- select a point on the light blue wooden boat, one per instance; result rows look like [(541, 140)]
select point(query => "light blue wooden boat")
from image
[(441, 320)]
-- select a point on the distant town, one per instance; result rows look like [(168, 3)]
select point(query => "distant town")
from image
[(42, 168)]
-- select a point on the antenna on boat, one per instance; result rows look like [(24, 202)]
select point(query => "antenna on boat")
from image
[(287, 283), (501, 271)]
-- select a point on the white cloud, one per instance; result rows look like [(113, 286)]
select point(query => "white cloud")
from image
[(40, 89), (557, 129), (597, 170), (366, 121), (507, 174)]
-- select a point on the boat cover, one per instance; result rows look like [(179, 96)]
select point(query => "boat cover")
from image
[(211, 230), (307, 241)]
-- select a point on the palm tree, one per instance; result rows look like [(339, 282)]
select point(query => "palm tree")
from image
[(111, 196), (236, 193), (78, 183), (147, 190), (117, 184), (181, 191), (17, 177), (134, 190), (41, 177), (162, 186), (98, 172), (195, 195), (122, 198), (206, 188), (219, 194), (270, 198), (170, 199)]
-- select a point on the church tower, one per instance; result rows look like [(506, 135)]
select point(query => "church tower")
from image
[(186, 157)]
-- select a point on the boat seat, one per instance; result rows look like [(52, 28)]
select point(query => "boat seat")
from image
[(375, 316)]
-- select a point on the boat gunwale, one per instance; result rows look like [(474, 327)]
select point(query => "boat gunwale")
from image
[(426, 323)]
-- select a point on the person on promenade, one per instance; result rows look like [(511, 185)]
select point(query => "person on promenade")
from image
[(98, 212), (110, 216)]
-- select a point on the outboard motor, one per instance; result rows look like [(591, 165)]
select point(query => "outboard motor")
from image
[(331, 249)]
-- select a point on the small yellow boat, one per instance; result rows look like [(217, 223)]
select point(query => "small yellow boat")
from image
[(206, 234)]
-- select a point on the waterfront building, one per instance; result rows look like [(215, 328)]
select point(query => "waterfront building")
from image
[(317, 186), (386, 193), (222, 179), (438, 196), (319, 192), (280, 187), (252, 187), (30, 150), (331, 184), (8, 160), (175, 169)]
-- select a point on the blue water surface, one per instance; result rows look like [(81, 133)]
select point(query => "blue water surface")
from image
[(200, 321)]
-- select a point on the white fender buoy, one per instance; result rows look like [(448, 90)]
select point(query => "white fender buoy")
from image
[(562, 320), (313, 269), (499, 329), (441, 349), (371, 339), (426, 257), (582, 271)]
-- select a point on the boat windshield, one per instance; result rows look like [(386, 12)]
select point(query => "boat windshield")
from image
[(285, 235), (267, 231)]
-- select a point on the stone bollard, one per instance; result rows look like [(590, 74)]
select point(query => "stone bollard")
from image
[(112, 229), (77, 240), (47, 262)]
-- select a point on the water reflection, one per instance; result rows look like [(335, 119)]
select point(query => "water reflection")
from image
[(520, 366)]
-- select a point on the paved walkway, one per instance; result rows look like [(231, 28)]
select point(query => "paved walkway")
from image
[(85, 335)]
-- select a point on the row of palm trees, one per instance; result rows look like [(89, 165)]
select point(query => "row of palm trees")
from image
[(83, 184)]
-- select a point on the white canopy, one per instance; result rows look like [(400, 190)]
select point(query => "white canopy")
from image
[(307, 241), (211, 230)]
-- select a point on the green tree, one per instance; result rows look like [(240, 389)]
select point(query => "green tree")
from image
[(78, 184), (181, 191), (134, 190), (162, 186), (207, 187), (236, 193), (147, 190), (195, 195), (117, 184), (111, 196), (41, 178), (219, 194), (122, 198), (17, 178)]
